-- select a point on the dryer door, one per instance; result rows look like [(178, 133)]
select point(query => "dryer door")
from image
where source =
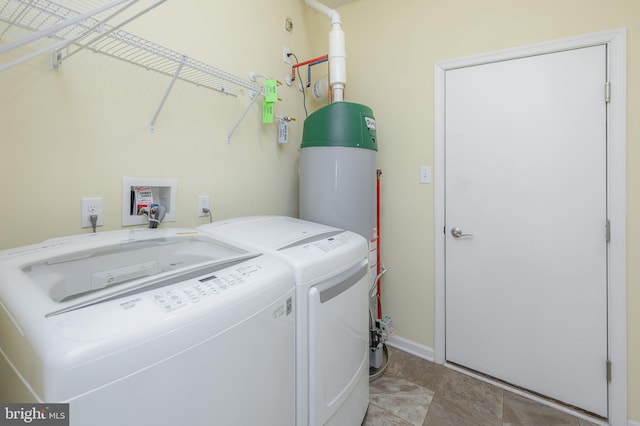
[(339, 348)]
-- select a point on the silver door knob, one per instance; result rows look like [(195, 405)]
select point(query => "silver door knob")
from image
[(457, 233)]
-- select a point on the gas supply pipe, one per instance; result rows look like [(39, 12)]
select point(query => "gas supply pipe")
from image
[(378, 257), (310, 62)]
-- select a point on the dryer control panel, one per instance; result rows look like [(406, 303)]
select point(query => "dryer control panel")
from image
[(332, 243)]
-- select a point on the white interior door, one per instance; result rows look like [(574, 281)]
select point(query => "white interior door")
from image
[(525, 178)]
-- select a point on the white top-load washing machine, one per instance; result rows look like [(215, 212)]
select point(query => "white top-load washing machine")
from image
[(148, 327), (332, 337)]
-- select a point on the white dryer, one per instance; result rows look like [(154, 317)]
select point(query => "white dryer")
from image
[(332, 337), (148, 327)]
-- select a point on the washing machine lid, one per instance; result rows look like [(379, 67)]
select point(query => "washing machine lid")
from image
[(272, 232), (71, 273), (171, 291)]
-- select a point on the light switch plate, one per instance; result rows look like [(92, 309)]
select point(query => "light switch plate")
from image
[(425, 174)]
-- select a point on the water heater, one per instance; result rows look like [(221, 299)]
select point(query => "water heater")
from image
[(338, 168)]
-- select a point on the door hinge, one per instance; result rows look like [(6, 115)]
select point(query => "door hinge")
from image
[(608, 371), (607, 92), (607, 231)]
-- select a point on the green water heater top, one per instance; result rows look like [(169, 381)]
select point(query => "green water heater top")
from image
[(341, 124)]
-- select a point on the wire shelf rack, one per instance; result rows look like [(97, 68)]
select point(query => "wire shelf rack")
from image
[(82, 24), (66, 27)]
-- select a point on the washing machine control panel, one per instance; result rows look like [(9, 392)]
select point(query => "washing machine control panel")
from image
[(231, 292), (206, 287)]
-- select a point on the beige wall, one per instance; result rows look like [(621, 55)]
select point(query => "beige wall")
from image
[(392, 48), (74, 133)]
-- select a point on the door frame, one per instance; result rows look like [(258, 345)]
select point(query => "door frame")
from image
[(616, 43)]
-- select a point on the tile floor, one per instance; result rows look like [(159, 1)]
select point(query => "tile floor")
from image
[(416, 392)]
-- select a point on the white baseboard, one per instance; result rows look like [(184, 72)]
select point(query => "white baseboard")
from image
[(425, 352), (412, 347)]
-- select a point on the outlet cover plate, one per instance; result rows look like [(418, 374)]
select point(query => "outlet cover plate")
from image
[(203, 202), (91, 206)]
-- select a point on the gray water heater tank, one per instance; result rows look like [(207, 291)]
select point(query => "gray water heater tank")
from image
[(338, 168)]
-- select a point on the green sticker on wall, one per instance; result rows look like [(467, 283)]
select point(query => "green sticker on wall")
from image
[(270, 90), (267, 112)]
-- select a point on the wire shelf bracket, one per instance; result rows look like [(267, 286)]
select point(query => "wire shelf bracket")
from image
[(254, 98), (152, 128)]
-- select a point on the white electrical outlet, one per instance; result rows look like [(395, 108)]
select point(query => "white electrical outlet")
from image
[(285, 55), (203, 203), (91, 206)]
